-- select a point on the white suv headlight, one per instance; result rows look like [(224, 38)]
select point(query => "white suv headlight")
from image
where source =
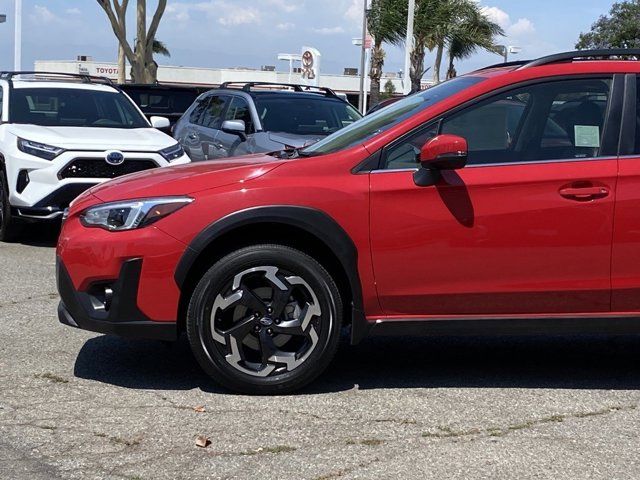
[(41, 150), (131, 214), (172, 153)]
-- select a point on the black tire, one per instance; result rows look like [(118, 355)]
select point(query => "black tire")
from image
[(265, 320), (8, 227)]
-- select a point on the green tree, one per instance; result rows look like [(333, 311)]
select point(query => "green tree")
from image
[(389, 90), (386, 25), (473, 31), (460, 25), (160, 48), (620, 29), (433, 23)]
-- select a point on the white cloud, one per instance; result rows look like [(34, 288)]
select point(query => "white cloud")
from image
[(178, 12), (73, 11), (328, 30), (285, 26), (520, 28), (497, 15), (226, 13), (354, 13), (43, 15), (231, 15), (285, 5)]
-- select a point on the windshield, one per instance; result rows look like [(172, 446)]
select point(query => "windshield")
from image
[(312, 115), (73, 107), (163, 102), (389, 116)]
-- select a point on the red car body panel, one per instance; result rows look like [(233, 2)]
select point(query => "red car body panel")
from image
[(93, 254), (496, 240), (625, 266), (502, 238)]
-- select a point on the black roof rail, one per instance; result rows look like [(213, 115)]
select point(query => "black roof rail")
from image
[(8, 75), (516, 63), (246, 86), (583, 54)]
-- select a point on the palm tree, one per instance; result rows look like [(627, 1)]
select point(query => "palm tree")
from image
[(460, 25), (432, 27), (473, 31), (160, 48), (386, 24)]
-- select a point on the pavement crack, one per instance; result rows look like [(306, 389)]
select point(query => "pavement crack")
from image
[(30, 298), (341, 472), (448, 432)]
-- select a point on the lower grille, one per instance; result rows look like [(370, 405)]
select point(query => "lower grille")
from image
[(99, 168)]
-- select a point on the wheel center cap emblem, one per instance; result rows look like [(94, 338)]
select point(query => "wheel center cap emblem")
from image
[(114, 157), (266, 321)]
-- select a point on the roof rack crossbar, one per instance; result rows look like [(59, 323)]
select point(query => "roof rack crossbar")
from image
[(8, 75), (583, 54), (246, 86)]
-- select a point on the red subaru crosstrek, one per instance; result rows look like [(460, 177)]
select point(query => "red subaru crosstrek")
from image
[(503, 201)]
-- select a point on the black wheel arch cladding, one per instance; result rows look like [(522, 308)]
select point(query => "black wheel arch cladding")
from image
[(313, 221)]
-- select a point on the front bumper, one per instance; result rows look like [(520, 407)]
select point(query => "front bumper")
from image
[(53, 205), (88, 310), (51, 185)]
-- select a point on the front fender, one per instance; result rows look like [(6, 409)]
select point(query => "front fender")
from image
[(313, 221)]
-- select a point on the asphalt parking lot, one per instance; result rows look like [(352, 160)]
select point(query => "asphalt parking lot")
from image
[(79, 405)]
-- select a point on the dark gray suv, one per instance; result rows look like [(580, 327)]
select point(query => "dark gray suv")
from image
[(260, 117)]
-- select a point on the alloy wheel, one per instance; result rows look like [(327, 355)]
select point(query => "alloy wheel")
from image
[(265, 322)]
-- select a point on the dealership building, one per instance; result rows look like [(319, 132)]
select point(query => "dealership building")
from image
[(348, 83)]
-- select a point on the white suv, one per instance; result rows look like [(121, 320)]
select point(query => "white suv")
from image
[(61, 134)]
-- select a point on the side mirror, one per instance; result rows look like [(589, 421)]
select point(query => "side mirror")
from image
[(444, 152), (236, 127), (160, 122)]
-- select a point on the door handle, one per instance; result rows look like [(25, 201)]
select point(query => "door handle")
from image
[(192, 136), (588, 192)]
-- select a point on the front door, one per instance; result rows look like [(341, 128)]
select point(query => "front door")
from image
[(209, 126), (525, 228), (231, 144)]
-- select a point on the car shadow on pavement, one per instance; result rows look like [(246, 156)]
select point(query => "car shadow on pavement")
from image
[(141, 364), (43, 234), (593, 362)]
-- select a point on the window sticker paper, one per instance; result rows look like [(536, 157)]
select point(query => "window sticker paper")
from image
[(587, 136)]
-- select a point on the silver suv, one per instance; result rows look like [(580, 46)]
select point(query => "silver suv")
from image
[(260, 117)]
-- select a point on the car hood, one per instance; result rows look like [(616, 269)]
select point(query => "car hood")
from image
[(294, 140), (185, 179), (95, 138)]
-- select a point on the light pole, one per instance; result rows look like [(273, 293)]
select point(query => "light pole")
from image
[(365, 84), (17, 56), (363, 53), (409, 47), (505, 50)]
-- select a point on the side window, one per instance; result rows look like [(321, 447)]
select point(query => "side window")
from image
[(550, 121), (196, 113), (212, 115), (239, 110), (406, 153)]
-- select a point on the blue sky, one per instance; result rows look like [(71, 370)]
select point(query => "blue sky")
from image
[(250, 33)]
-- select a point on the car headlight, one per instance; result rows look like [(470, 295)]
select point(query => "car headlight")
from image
[(172, 153), (131, 214), (41, 150)]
